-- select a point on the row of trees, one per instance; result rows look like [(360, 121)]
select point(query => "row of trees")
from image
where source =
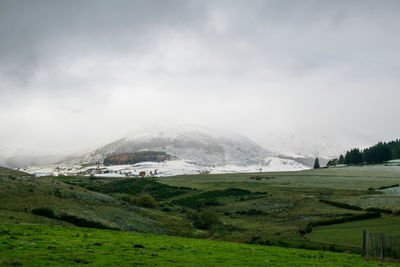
[(378, 153)]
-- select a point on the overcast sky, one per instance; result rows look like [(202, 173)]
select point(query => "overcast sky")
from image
[(76, 74)]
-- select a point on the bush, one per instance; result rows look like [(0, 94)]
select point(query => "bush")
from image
[(144, 200), (387, 211), (203, 220), (359, 217), (208, 219), (389, 186), (133, 186), (82, 222), (306, 230), (340, 205), (384, 187), (46, 212), (251, 212)]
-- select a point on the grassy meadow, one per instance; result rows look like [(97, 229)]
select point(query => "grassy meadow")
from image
[(350, 233), (41, 245)]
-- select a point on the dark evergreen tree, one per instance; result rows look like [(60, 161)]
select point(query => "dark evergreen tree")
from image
[(316, 164), (353, 156), (381, 152), (332, 162), (341, 160), (396, 152), (378, 153)]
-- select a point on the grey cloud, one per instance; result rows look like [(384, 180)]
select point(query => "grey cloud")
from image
[(92, 70), (42, 30)]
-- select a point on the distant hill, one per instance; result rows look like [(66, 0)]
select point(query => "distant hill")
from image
[(200, 145), (188, 149), (23, 160), (5, 172)]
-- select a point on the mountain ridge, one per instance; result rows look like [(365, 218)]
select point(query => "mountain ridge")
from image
[(193, 149), (204, 146)]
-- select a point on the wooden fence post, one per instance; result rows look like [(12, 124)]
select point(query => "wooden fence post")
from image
[(381, 238), (363, 244)]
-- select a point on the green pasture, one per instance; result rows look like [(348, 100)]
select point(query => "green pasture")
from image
[(350, 233), (42, 245)]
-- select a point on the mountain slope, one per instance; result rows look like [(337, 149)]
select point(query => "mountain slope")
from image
[(203, 146), (190, 148)]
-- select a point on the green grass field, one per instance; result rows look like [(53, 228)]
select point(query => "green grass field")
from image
[(292, 200), (347, 178), (350, 234), (40, 245)]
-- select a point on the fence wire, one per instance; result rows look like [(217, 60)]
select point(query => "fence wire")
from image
[(378, 245)]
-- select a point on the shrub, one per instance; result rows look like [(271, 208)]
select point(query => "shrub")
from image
[(359, 217), (208, 218), (203, 220), (46, 212), (144, 200), (133, 186), (306, 230), (340, 205), (82, 222), (192, 215), (389, 186), (384, 187), (387, 211), (251, 212)]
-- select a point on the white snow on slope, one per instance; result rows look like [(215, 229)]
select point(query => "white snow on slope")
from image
[(168, 168), (204, 146), (193, 149)]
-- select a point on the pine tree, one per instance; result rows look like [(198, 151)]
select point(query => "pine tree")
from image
[(316, 164), (341, 159), (332, 162)]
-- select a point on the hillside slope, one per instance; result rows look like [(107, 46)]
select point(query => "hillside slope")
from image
[(20, 194)]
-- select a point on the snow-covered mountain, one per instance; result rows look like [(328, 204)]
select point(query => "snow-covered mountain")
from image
[(203, 146), (192, 149)]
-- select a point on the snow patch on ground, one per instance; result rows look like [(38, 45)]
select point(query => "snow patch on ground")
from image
[(167, 168)]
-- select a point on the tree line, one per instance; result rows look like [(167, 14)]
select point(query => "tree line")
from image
[(379, 153)]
